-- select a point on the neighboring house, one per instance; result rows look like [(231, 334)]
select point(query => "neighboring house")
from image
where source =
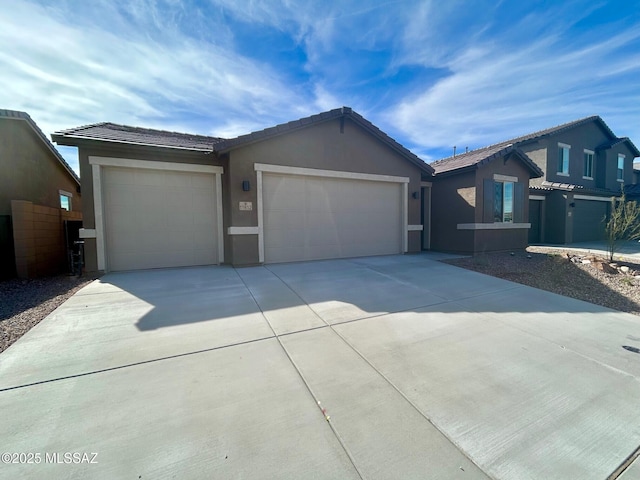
[(584, 164), (480, 200), (33, 176), (328, 186)]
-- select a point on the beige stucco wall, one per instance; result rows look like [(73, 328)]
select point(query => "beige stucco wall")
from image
[(29, 171)]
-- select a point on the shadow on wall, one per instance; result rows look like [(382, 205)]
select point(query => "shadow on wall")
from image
[(338, 291)]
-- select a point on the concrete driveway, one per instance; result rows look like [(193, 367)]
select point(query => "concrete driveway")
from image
[(376, 368)]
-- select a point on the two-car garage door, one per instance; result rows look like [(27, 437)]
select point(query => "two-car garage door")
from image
[(315, 217), (159, 218)]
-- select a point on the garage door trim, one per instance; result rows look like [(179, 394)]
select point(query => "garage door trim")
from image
[(261, 168), (98, 163)]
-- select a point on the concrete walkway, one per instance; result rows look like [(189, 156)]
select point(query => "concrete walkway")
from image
[(375, 368)]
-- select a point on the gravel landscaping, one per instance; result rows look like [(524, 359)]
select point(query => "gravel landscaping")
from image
[(24, 303), (573, 274)]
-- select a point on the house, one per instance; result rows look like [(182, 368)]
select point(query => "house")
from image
[(584, 164), (327, 186), (480, 200), (38, 192)]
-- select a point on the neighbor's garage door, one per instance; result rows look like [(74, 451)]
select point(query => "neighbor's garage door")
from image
[(156, 218), (310, 218), (588, 222)]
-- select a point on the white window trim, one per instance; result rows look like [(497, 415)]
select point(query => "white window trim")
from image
[(620, 155), (243, 230), (414, 228), (504, 178), (564, 145), (66, 194), (98, 163), (592, 153), (492, 226), (536, 197), (592, 197), (261, 168)]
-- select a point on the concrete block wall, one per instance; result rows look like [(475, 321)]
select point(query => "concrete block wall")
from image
[(38, 237)]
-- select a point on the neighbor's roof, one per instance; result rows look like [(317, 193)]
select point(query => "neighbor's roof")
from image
[(476, 158), (479, 156), (112, 132), (344, 112), (18, 115)]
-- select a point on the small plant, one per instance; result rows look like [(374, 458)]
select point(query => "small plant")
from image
[(623, 224), (627, 281)]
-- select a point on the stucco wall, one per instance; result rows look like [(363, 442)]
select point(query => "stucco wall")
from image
[(29, 171), (450, 206), (133, 152), (322, 146)]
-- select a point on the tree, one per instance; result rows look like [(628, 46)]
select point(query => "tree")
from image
[(623, 223)]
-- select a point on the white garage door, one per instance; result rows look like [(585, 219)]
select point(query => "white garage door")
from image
[(157, 218), (310, 218)]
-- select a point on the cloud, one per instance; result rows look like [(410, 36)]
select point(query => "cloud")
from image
[(499, 86)]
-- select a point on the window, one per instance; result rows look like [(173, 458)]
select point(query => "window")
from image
[(620, 174), (503, 202), (65, 200), (588, 164), (563, 159)]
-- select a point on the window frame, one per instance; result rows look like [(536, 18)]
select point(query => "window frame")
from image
[(620, 171), (584, 164), (562, 147), (69, 196), (502, 202)]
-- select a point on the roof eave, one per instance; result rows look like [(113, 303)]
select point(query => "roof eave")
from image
[(61, 138)]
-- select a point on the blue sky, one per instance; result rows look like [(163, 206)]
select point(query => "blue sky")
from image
[(431, 74)]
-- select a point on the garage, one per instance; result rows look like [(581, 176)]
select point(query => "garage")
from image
[(157, 218), (313, 214), (588, 219)]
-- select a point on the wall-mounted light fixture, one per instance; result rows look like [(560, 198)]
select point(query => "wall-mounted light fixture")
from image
[(572, 205), (246, 186), (416, 195)]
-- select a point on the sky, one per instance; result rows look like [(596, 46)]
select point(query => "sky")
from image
[(431, 74)]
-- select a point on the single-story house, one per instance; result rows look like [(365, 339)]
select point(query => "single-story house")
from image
[(39, 192), (327, 186), (480, 200)]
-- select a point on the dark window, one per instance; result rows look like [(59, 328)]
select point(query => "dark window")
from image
[(563, 159), (503, 202), (588, 165)]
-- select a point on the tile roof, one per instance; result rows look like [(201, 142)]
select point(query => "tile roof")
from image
[(570, 187), (617, 141), (343, 112), (481, 156), (18, 115), (112, 132)]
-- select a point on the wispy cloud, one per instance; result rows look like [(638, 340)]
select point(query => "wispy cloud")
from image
[(502, 85), (432, 74)]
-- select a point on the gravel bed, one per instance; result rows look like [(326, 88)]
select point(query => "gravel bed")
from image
[(552, 270), (24, 303)]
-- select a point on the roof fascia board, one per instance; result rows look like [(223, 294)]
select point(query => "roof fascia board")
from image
[(60, 139)]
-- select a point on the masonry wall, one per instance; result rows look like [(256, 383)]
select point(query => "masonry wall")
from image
[(38, 237)]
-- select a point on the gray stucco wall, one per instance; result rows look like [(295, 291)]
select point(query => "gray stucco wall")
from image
[(133, 152), (322, 146)]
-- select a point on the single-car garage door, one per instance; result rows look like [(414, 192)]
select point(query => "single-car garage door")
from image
[(588, 220), (159, 218), (313, 217)]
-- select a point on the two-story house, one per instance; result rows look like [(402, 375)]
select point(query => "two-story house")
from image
[(584, 165)]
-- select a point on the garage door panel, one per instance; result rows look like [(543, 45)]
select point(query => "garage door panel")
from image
[(308, 218), (153, 218)]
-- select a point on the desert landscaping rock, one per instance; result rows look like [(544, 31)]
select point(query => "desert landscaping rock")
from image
[(596, 282), (24, 303)]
